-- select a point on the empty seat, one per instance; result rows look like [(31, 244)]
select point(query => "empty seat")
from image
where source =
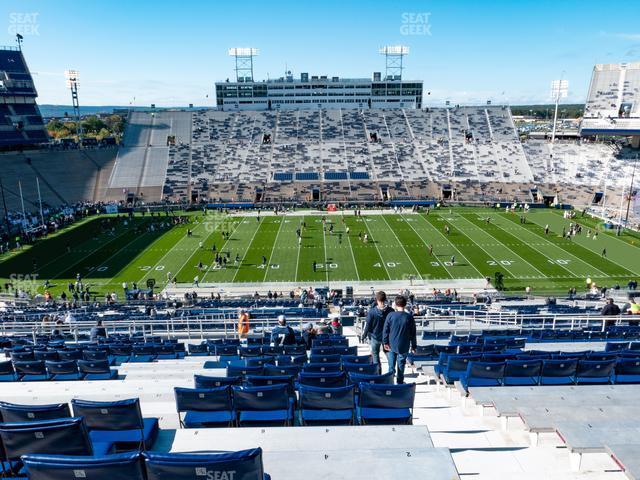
[(97, 370), (246, 465), (319, 379), (558, 371), (483, 374), (356, 359), (205, 407), (291, 370), (322, 367), (7, 372), (324, 358), (45, 355), (122, 466), (241, 371), (327, 406), (14, 413), (63, 370), (522, 372), (263, 406), (202, 381), (119, 423), (386, 404), (627, 371), (594, 371), (363, 368), (70, 354), (383, 379), (31, 371), (198, 349)]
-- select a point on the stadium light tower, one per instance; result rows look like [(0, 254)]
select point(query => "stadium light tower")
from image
[(72, 77), (559, 89), (244, 62), (394, 56)]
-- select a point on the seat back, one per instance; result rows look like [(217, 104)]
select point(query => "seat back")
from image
[(94, 366), (61, 367), (246, 465), (202, 381), (61, 436), (119, 415), (290, 370), (316, 398), (365, 368), (241, 371), (271, 397), (14, 413), (522, 368), (324, 358), (263, 380), (386, 396), (322, 367), (45, 355), (34, 367), (595, 368), (488, 370), (318, 379), (69, 354), (356, 359), (95, 355), (203, 399), (6, 368), (121, 466), (22, 356), (384, 379)]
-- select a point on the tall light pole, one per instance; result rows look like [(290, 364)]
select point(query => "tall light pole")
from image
[(73, 81), (559, 89)]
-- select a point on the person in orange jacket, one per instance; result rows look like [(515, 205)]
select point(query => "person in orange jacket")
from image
[(243, 324)]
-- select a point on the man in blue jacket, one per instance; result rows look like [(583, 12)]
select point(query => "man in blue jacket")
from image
[(375, 324), (282, 334), (399, 337)]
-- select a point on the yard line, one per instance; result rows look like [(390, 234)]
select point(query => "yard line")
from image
[(266, 270), (248, 248), (402, 245), (221, 249), (453, 245), (355, 264), (168, 252), (299, 248), (521, 258), (424, 242), (556, 246), (384, 264), (324, 242)]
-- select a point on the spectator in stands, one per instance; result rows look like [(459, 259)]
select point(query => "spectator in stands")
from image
[(243, 324), (282, 334), (399, 337), (98, 331), (375, 324), (308, 334), (610, 308)]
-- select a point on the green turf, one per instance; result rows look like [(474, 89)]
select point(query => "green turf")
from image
[(397, 249)]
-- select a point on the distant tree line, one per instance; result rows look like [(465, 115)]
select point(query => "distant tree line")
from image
[(546, 111), (92, 126)]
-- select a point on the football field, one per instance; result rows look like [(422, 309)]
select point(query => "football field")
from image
[(267, 249)]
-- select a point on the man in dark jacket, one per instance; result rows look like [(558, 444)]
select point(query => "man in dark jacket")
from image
[(374, 325), (610, 308), (97, 332), (282, 334), (399, 337)]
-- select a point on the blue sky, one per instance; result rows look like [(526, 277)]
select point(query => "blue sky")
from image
[(171, 52)]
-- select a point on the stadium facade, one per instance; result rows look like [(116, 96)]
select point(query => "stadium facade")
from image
[(320, 92), (21, 123)]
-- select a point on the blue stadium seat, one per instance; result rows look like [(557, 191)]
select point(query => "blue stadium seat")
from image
[(23, 356), (241, 371), (202, 381), (7, 372), (558, 371), (362, 368), (198, 350), (122, 466), (356, 359), (294, 350), (67, 436), (522, 372), (616, 346), (246, 465), (93, 355), (385, 404), (335, 358), (322, 367), (627, 371), (383, 379), (325, 380), (63, 370), (592, 372), (119, 423), (205, 407), (482, 374), (456, 365), (31, 371), (14, 413), (45, 355), (121, 353), (290, 370), (327, 406), (265, 380), (70, 354), (225, 350), (97, 370), (263, 406)]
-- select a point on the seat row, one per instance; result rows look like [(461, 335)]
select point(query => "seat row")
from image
[(542, 335), (570, 371), (32, 371), (259, 401)]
